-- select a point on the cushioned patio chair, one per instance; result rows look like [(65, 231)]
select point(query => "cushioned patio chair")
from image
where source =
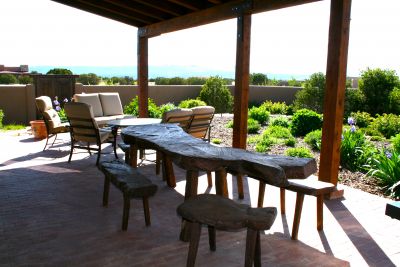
[(84, 128), (51, 119), (200, 125)]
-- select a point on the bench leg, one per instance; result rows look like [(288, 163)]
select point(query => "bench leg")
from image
[(239, 182), (211, 238), (251, 241), (257, 254), (320, 212), (209, 179), (158, 161), (195, 231), (146, 210), (261, 192), (221, 186), (133, 156), (297, 215), (106, 191), (283, 201), (125, 214)]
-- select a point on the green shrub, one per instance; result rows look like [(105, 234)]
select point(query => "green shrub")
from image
[(387, 124), (395, 142), (275, 107), (376, 84), (229, 124), (253, 126), (8, 79), (60, 71), (355, 150), (277, 132), (265, 144), (300, 152), (215, 93), (1, 118), (254, 139), (166, 107), (305, 121), (133, 108), (385, 166), (312, 95), (394, 101), (216, 141), (372, 132), (196, 80), (313, 139), (291, 141), (280, 121), (362, 119), (25, 79), (354, 101), (259, 114), (191, 103), (89, 79)]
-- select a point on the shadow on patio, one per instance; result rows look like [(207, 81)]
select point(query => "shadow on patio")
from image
[(51, 214)]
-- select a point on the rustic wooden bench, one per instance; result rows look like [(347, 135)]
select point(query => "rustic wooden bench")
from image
[(131, 183), (221, 213), (309, 186)]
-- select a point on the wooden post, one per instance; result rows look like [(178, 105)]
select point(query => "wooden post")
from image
[(335, 90), (241, 81), (241, 88), (143, 75)]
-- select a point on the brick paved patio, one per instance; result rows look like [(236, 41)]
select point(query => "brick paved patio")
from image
[(51, 215)]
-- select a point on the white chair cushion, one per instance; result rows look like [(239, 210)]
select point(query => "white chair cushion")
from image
[(111, 104), (91, 99)]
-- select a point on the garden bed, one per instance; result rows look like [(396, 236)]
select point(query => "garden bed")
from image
[(354, 179)]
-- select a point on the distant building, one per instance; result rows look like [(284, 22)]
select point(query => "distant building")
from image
[(21, 70)]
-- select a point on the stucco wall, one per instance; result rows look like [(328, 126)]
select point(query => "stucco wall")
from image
[(18, 101)]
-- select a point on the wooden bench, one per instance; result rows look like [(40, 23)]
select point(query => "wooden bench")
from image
[(131, 183), (221, 213), (309, 186)]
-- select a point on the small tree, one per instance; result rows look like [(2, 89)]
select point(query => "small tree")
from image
[(215, 93), (377, 84), (88, 79), (258, 79), (312, 95), (60, 71)]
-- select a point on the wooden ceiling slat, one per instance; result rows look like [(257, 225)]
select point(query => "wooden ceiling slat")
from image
[(113, 9), (217, 13), (192, 5), (139, 9), (130, 21), (162, 6)]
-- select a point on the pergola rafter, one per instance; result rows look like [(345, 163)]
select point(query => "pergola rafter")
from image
[(153, 18)]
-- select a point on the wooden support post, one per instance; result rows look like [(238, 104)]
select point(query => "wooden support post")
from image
[(241, 88), (143, 75), (335, 90)]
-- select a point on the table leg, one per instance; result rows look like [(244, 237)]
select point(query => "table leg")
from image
[(133, 155), (168, 171), (192, 178), (221, 186)]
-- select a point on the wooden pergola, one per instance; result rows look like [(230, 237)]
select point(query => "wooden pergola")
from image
[(154, 17)]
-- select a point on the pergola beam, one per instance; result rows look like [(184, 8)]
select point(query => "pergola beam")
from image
[(218, 13), (335, 90), (143, 75)]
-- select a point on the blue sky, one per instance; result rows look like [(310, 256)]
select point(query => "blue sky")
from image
[(290, 41)]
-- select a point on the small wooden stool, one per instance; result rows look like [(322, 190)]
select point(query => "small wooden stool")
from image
[(224, 214)]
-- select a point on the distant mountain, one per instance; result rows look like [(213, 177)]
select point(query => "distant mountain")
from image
[(158, 71)]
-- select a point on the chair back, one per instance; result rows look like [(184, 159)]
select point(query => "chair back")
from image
[(50, 115), (201, 122), (81, 119), (182, 116)]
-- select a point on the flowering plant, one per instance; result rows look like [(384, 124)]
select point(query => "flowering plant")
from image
[(59, 109)]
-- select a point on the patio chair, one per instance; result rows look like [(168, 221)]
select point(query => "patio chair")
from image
[(200, 125), (181, 116), (84, 128), (51, 119)]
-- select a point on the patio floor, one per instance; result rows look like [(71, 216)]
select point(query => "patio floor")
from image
[(51, 215)]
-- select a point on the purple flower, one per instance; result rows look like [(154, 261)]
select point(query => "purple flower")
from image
[(65, 100), (58, 108), (353, 129), (388, 154), (351, 121), (56, 103)]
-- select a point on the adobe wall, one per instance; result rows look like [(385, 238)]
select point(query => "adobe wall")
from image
[(18, 103)]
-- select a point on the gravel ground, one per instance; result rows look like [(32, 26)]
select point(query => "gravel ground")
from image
[(354, 179)]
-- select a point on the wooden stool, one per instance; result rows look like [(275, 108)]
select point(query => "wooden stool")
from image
[(131, 183), (224, 214)]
